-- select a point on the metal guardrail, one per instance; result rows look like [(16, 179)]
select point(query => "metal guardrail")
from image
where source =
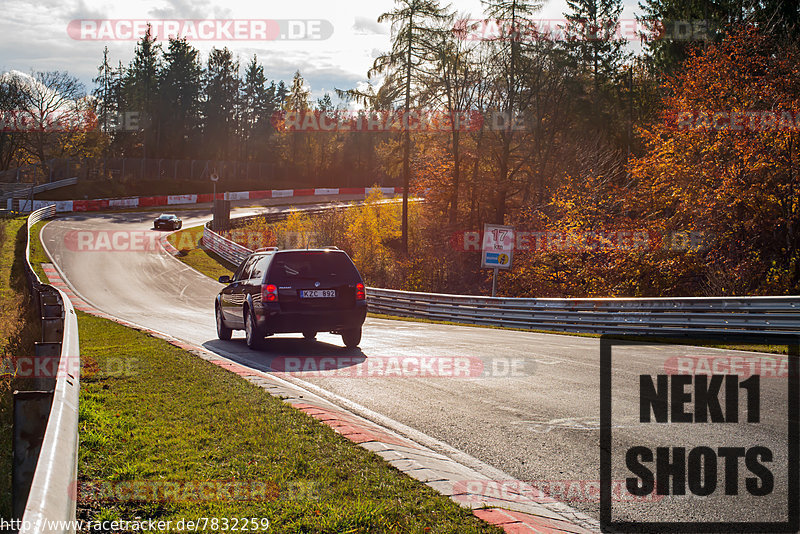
[(669, 316), (235, 253), (231, 251), (53, 185), (23, 192), (51, 500)]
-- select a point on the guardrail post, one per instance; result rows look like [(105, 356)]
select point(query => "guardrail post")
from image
[(31, 411)]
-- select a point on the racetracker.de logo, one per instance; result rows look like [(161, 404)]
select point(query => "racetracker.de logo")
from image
[(201, 29), (521, 491), (112, 241), (55, 121), (175, 491), (765, 366), (413, 120), (583, 30), (402, 366)]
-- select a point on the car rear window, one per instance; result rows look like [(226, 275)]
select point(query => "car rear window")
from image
[(260, 266), (326, 267)]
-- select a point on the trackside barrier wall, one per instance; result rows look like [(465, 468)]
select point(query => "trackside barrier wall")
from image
[(52, 494), (668, 316), (63, 206)]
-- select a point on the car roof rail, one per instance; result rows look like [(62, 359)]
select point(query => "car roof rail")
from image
[(266, 249), (330, 247)]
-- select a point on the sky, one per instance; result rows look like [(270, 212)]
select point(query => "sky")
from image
[(45, 35)]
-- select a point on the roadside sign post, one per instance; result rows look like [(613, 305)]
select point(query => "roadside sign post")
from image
[(214, 178), (497, 249), (222, 208)]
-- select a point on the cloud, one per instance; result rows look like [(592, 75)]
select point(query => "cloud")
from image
[(190, 9), (82, 11), (365, 26)]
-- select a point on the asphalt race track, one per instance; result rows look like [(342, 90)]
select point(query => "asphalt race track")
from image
[(529, 407)]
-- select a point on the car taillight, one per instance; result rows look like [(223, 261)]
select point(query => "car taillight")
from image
[(360, 293), (269, 293)]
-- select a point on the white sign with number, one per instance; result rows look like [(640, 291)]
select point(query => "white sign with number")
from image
[(497, 249)]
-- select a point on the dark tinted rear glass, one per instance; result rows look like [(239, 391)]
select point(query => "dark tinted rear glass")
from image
[(260, 267), (326, 267)]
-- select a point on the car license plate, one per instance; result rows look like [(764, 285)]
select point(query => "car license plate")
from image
[(318, 293)]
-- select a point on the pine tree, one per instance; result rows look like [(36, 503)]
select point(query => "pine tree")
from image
[(297, 96), (256, 104), (221, 102), (412, 27), (181, 85), (510, 67), (593, 41), (297, 101), (141, 87), (106, 105), (280, 94)]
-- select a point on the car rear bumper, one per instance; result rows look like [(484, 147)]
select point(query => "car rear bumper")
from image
[(279, 322)]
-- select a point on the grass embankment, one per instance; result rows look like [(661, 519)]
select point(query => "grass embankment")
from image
[(38, 255), (187, 242), (153, 413), (18, 331)]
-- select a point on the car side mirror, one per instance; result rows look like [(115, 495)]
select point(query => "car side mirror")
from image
[(225, 279)]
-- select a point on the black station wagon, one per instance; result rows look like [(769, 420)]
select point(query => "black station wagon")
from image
[(286, 291)]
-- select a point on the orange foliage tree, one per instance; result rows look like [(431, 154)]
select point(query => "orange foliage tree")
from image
[(722, 160)]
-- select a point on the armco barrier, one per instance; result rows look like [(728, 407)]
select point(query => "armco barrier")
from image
[(52, 490), (667, 316), (235, 253)]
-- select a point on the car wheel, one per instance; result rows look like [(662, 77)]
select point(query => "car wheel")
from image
[(310, 335), (351, 337), (252, 334), (223, 332)]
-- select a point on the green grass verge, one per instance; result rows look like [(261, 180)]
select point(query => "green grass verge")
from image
[(19, 328), (150, 411), (38, 255), (187, 241)]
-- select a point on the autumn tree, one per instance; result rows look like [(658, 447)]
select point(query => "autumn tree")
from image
[(452, 85), (62, 117), (723, 161)]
